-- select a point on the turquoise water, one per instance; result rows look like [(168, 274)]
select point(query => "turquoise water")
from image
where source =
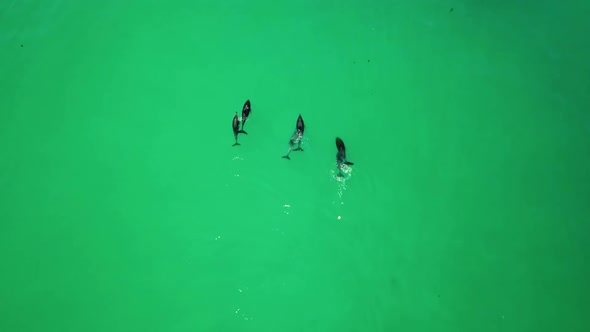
[(124, 207)]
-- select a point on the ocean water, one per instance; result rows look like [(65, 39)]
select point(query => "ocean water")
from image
[(124, 206)]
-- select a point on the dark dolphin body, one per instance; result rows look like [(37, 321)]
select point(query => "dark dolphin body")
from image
[(245, 113), (296, 137), (236, 125), (341, 156)]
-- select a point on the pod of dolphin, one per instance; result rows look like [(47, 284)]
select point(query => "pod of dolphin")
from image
[(295, 140)]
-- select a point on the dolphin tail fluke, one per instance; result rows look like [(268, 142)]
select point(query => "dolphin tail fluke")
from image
[(298, 149), (242, 132), (236, 143), (287, 157), (349, 163)]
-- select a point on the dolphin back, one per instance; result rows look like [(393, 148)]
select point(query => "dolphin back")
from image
[(300, 124), (340, 145), (246, 108), (236, 122)]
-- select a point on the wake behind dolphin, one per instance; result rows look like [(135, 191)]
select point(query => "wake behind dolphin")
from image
[(296, 137)]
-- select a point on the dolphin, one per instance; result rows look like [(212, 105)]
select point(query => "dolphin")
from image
[(296, 137), (245, 113), (236, 126), (341, 156)]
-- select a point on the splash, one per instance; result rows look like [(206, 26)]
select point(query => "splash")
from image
[(341, 176), (286, 208)]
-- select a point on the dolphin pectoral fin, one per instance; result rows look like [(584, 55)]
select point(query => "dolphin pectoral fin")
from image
[(287, 157), (242, 132), (349, 163)]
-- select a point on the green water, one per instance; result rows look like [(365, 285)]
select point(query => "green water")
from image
[(124, 207)]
